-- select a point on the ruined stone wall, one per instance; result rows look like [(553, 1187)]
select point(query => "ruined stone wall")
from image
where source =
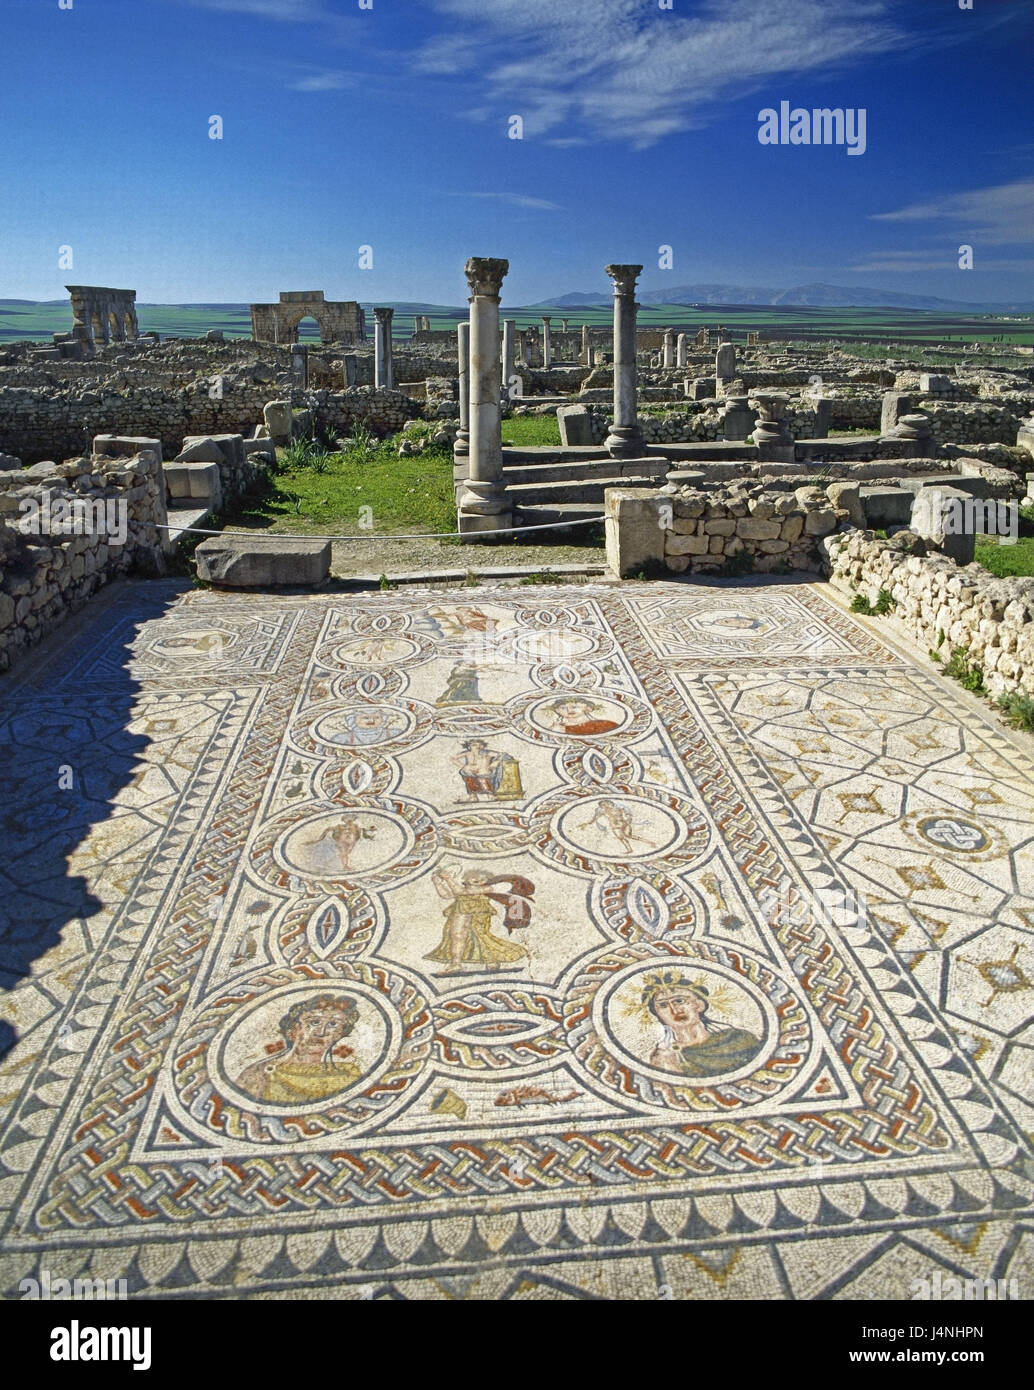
[(982, 422), (37, 424), (383, 412), (744, 526), (44, 577), (993, 619)]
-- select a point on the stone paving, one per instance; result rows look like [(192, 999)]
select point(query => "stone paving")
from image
[(640, 941)]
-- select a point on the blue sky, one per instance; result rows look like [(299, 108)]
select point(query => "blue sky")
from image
[(388, 127)]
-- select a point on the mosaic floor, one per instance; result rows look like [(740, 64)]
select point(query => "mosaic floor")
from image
[(654, 941)]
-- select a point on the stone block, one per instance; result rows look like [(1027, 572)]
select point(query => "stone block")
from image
[(886, 506), (820, 523), (943, 517), (701, 388), (895, 404), (262, 562), (685, 545), (474, 523), (846, 497), (263, 447), (279, 421), (575, 425), (200, 449), (823, 417), (124, 446), (638, 520), (753, 528), (198, 481), (721, 526)]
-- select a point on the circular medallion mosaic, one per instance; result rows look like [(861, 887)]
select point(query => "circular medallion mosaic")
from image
[(210, 642), (285, 1056), (594, 830), (375, 842), (373, 650), (580, 716), (687, 1028), (562, 644), (355, 726)]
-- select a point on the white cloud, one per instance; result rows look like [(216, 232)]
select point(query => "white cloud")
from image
[(517, 200), (998, 216), (295, 10), (625, 70), (323, 82), (910, 262)]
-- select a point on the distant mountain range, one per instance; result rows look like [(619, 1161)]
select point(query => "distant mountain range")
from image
[(816, 296)]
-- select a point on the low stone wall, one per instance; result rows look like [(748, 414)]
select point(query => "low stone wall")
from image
[(703, 530), (983, 422), (942, 606), (41, 424), (46, 574)]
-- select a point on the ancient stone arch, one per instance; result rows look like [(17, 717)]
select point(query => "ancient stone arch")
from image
[(340, 321), (102, 315)]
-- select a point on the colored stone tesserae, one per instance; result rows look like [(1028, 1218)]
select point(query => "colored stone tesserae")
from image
[(592, 941)]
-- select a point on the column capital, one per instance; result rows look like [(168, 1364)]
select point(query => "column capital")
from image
[(546, 318), (485, 275), (624, 277), (383, 315)]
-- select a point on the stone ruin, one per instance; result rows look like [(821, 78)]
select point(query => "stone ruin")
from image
[(716, 448), (102, 315), (340, 321)]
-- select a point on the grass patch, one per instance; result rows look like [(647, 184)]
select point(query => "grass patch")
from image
[(885, 603), (526, 431), (966, 672), (1018, 710), (364, 490), (545, 576), (1006, 560)]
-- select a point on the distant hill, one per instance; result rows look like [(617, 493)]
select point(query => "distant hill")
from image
[(818, 296)]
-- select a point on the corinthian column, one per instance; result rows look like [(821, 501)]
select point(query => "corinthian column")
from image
[(625, 439), (483, 504)]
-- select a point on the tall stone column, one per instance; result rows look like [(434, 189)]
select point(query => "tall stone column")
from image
[(680, 350), (483, 504), (418, 324), (461, 448), (586, 358), (509, 354), (625, 439), (668, 348), (547, 345), (383, 377), (563, 325)]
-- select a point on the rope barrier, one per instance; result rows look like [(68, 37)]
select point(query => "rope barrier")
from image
[(424, 536)]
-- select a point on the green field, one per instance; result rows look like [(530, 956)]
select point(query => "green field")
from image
[(867, 329)]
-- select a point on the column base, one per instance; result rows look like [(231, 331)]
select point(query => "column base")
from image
[(625, 441), (471, 524)]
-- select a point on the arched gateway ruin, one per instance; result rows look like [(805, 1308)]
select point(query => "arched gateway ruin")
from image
[(340, 321), (103, 315)]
